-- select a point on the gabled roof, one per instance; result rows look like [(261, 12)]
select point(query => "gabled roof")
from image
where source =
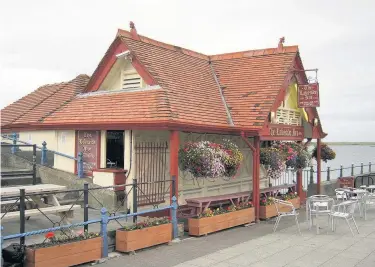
[(189, 93), (233, 91), (37, 105)]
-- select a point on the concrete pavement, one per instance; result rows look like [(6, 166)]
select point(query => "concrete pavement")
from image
[(257, 246)]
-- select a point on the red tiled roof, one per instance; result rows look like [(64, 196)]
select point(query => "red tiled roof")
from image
[(113, 107), (188, 93), (42, 102)]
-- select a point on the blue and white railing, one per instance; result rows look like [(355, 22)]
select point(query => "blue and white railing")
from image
[(44, 150), (104, 220)]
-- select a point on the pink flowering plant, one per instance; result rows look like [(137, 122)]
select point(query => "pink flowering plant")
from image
[(207, 159), (282, 155), (326, 153)]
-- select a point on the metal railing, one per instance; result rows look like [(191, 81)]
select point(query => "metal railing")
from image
[(93, 198), (44, 150), (104, 220)]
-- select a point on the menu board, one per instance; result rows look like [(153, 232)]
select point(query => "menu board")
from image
[(88, 144)]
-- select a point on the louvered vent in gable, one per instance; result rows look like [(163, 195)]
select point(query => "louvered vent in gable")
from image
[(131, 81)]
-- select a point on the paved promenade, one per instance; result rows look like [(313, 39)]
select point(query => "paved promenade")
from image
[(257, 246)]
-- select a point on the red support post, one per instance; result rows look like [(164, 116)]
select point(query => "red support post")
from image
[(319, 167), (173, 168), (299, 185), (256, 172)]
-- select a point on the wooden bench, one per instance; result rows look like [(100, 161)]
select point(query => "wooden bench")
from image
[(197, 205), (65, 211)]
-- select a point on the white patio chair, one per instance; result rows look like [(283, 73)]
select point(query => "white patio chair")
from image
[(341, 194), (318, 205), (344, 210), (369, 200), (278, 204)]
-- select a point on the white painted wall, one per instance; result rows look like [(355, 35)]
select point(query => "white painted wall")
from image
[(65, 144)]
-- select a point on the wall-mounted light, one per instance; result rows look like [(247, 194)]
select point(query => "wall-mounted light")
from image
[(126, 55), (315, 121)]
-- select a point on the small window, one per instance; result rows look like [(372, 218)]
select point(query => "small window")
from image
[(131, 81)]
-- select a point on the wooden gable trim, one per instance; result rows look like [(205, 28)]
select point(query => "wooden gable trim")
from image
[(109, 60)]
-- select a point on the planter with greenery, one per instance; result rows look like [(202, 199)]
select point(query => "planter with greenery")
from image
[(65, 250), (213, 220), (144, 234), (268, 210), (210, 160)]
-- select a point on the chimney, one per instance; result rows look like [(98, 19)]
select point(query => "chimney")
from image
[(133, 31), (280, 47)]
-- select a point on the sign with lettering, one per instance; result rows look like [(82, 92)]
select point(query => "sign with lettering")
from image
[(88, 144), (283, 132), (308, 95)]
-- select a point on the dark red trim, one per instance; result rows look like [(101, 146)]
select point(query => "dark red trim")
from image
[(161, 125), (76, 152), (98, 149), (109, 59), (319, 165), (174, 140), (110, 170)]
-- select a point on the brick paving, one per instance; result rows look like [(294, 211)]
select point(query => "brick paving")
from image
[(257, 246)]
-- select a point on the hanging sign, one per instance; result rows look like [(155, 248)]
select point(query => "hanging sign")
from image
[(308, 95), (88, 144)]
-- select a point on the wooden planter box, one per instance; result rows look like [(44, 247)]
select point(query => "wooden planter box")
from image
[(266, 212), (65, 255), (128, 241), (203, 226)]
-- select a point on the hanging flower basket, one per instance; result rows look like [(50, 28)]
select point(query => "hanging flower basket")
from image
[(206, 159), (326, 153)]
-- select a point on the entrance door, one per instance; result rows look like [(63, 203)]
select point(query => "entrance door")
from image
[(115, 149)]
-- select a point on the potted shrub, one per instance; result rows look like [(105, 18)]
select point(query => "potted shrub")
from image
[(213, 220), (210, 160), (268, 210), (65, 250), (144, 234)]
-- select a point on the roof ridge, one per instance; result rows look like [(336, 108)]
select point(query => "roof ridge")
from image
[(255, 53), (145, 39)]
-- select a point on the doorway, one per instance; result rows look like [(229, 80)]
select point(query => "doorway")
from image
[(115, 149)]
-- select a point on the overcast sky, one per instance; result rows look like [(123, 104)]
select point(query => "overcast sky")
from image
[(52, 41)]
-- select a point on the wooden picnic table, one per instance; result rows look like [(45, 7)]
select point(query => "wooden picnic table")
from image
[(199, 204), (36, 193)]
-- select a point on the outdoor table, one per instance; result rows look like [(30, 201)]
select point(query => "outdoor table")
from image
[(357, 194), (35, 193), (318, 202)]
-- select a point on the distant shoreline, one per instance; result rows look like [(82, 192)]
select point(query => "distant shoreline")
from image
[(349, 143)]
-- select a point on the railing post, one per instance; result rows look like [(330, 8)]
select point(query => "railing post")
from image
[(369, 167), (311, 175), (174, 217), (361, 167), (2, 238), (328, 173), (352, 170), (34, 164), (103, 231), (80, 165), (22, 216), (43, 159), (14, 140), (341, 171), (86, 205), (135, 202)]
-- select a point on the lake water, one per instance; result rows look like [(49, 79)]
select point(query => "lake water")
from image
[(347, 155)]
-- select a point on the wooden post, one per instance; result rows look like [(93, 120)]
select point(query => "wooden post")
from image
[(299, 183), (256, 173), (173, 148), (319, 167)]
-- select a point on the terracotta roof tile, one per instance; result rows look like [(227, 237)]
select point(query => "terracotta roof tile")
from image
[(43, 101)]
